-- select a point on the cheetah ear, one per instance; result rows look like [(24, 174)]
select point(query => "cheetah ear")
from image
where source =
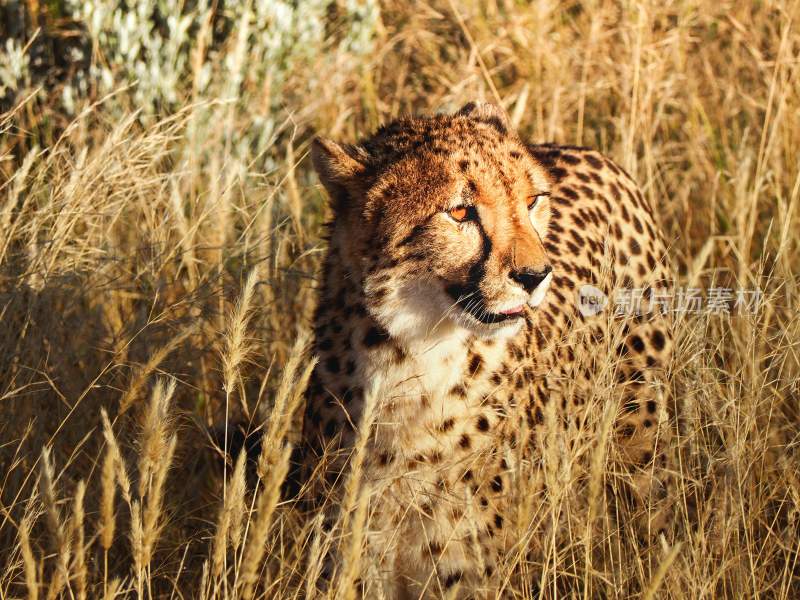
[(338, 167), (487, 113)]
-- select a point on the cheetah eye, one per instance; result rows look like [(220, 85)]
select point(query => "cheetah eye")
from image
[(459, 214), (533, 200)]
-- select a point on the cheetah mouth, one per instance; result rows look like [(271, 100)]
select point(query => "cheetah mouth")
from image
[(476, 308), (490, 318)]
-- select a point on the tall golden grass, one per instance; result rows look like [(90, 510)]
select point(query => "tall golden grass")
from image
[(160, 236)]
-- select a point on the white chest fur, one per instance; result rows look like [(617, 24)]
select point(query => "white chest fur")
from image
[(428, 386)]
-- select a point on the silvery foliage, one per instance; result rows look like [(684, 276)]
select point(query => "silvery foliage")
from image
[(14, 67), (163, 50)]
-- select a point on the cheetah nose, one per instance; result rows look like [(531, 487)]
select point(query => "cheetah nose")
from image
[(530, 278)]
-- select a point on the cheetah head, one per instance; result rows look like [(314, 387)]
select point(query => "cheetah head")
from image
[(440, 220)]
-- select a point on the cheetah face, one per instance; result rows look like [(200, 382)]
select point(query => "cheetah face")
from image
[(443, 219)]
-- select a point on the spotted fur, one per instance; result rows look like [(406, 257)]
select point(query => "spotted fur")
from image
[(472, 330)]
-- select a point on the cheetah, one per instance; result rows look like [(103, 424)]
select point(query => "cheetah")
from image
[(454, 271)]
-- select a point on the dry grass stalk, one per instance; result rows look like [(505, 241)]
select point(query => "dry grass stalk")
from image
[(598, 468), (79, 548), (153, 513), (28, 560), (237, 346), (136, 536), (204, 581), (353, 489), (661, 572), (316, 555), (287, 399), (231, 517), (154, 434), (236, 501), (120, 470), (108, 492), (60, 535), (50, 499), (112, 589), (351, 557), (259, 529), (7, 208)]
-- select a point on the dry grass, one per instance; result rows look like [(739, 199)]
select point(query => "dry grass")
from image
[(159, 239)]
